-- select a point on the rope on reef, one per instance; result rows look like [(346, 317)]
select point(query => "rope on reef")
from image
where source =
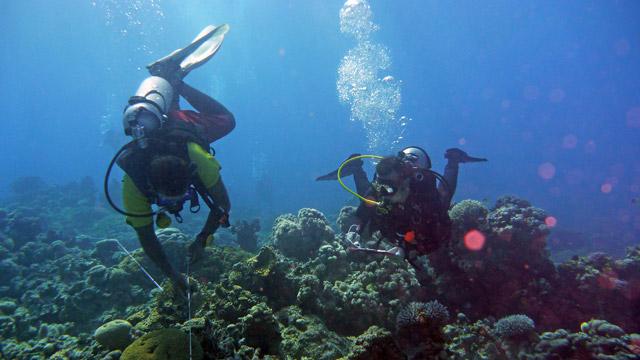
[(189, 310), (139, 265)]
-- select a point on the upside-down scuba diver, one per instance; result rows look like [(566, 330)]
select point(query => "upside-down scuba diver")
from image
[(169, 162), (406, 202)]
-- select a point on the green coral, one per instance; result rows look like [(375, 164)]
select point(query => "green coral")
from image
[(306, 336), (163, 344), (375, 343), (300, 236), (260, 329), (370, 296), (514, 327), (263, 263), (228, 302), (266, 274), (115, 334), (469, 214), (597, 327)]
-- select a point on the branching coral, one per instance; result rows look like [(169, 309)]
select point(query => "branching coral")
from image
[(431, 314)]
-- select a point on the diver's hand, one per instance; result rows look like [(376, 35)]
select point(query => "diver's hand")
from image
[(459, 156), (224, 220)]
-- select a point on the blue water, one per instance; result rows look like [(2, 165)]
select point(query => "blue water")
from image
[(541, 88)]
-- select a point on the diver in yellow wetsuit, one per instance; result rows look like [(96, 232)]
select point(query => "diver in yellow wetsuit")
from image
[(172, 169), (169, 163)]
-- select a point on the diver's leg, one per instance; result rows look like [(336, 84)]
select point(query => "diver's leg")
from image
[(202, 102), (363, 186), (215, 119)]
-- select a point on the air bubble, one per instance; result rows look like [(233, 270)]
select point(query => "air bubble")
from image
[(374, 99)]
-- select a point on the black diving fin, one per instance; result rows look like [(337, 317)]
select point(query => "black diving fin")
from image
[(347, 170)]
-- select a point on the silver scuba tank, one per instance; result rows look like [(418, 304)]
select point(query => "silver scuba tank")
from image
[(147, 109)]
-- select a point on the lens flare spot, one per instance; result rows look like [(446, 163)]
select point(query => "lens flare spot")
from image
[(569, 141), (590, 147), (621, 47), (546, 171), (556, 95), (633, 117), (606, 188), (474, 240), (531, 92), (550, 221)]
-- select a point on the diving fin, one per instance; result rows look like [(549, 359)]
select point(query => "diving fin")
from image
[(474, 159), (201, 49), (330, 176), (460, 156), (347, 170)]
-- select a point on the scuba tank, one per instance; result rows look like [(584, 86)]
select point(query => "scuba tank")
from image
[(147, 109)]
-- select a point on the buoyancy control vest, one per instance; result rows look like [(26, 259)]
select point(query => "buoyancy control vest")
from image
[(420, 223)]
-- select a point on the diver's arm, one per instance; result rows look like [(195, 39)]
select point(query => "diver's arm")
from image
[(451, 177), (455, 157), (153, 249), (202, 102), (220, 195), (218, 215)]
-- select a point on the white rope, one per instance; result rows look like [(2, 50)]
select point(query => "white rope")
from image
[(139, 265), (189, 308)]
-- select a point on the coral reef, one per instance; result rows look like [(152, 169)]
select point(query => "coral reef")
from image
[(116, 334), (163, 344), (514, 219), (68, 291), (375, 343), (245, 232), (419, 329), (469, 214), (300, 236), (431, 314), (513, 274), (305, 336), (514, 327), (346, 218)]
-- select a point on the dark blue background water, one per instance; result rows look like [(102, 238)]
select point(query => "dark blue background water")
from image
[(526, 84)]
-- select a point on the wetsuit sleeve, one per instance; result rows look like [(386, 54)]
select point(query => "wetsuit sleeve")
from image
[(451, 177), (136, 203), (207, 166)]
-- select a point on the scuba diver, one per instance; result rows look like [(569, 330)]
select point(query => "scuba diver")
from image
[(169, 162), (406, 202)]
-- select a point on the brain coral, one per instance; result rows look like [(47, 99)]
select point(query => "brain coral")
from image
[(514, 327), (163, 344)]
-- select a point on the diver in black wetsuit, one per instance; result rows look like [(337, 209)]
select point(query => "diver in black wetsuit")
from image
[(406, 201)]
